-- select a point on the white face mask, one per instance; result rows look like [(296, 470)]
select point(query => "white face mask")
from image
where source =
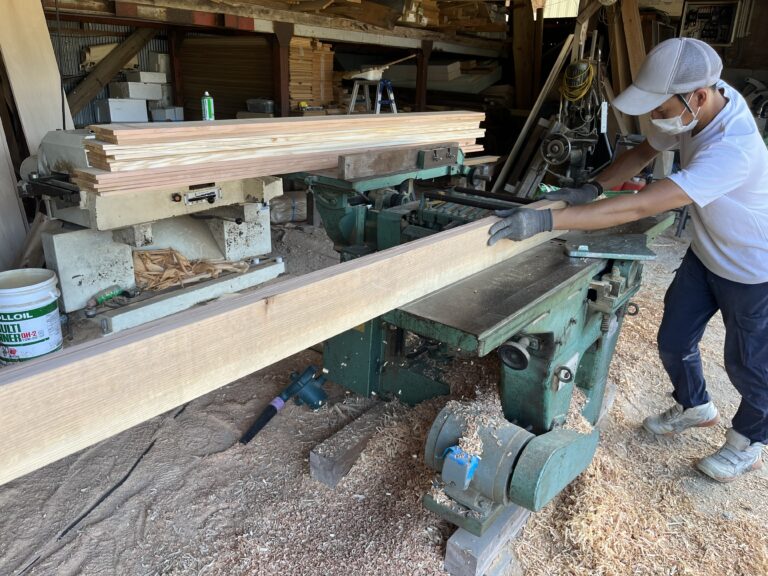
[(674, 126)]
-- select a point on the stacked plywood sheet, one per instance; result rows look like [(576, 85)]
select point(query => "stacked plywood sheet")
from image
[(130, 157), (311, 72)]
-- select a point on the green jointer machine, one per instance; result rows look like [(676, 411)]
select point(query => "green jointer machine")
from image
[(552, 315)]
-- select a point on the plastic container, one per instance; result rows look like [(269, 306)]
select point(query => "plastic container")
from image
[(29, 314), (261, 105)]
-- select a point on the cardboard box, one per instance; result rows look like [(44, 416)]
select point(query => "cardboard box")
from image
[(172, 114), (121, 110), (167, 98), (148, 77), (159, 62), (136, 90)]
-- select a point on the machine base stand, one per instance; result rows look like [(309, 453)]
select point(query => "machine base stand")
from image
[(180, 299), (469, 555), (467, 519)]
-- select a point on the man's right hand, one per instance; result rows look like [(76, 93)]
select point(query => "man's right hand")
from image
[(575, 196)]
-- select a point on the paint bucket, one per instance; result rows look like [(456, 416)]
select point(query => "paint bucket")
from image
[(29, 314)]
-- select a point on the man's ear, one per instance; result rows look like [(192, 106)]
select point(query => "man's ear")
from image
[(701, 95)]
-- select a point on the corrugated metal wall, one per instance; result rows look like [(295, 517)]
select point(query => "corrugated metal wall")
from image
[(75, 37)]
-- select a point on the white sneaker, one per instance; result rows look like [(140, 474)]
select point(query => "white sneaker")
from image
[(677, 419), (736, 457)]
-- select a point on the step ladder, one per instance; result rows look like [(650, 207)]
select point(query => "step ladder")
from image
[(381, 85)]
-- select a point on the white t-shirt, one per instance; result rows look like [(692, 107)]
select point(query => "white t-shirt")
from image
[(725, 173)]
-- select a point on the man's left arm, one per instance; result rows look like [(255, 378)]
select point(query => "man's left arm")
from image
[(522, 223), (658, 197)]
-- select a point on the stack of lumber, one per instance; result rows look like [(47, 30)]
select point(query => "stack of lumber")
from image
[(231, 68), (471, 15), (310, 68), (132, 157)]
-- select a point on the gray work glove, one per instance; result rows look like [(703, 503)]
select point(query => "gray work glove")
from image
[(519, 224), (574, 196)]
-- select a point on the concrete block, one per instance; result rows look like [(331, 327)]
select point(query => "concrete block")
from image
[(121, 110), (135, 90), (248, 239), (87, 261), (149, 77)]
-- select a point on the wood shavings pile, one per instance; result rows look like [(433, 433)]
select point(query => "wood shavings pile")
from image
[(575, 420), (166, 268)]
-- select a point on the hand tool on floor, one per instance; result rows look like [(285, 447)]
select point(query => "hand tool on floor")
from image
[(305, 388)]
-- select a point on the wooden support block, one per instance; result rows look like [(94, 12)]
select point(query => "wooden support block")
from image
[(470, 555), (330, 461), (353, 166)]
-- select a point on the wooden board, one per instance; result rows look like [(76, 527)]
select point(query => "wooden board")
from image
[(633, 34), (26, 50), (330, 461), (12, 228), (470, 555), (62, 403)]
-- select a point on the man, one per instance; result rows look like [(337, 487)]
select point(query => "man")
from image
[(724, 177)]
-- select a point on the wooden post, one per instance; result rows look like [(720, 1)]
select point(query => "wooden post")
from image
[(422, 74), (281, 47), (538, 47), (107, 68), (175, 39), (619, 65), (633, 33), (522, 48)]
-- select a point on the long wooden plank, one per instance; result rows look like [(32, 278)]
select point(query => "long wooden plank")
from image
[(633, 33), (12, 229), (62, 403), (174, 131), (26, 50)]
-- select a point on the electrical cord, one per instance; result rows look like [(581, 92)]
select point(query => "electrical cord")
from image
[(577, 80)]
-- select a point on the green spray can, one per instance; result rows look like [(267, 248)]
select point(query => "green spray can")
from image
[(207, 103)]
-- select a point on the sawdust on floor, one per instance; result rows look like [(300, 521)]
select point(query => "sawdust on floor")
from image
[(179, 495)]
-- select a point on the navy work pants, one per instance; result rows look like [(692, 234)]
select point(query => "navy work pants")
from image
[(691, 300)]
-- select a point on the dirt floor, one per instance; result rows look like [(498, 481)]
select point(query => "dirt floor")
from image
[(179, 495)]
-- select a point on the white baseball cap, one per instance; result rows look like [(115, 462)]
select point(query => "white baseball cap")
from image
[(675, 66)]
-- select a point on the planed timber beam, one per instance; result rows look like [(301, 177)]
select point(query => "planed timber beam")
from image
[(67, 401), (105, 70)]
